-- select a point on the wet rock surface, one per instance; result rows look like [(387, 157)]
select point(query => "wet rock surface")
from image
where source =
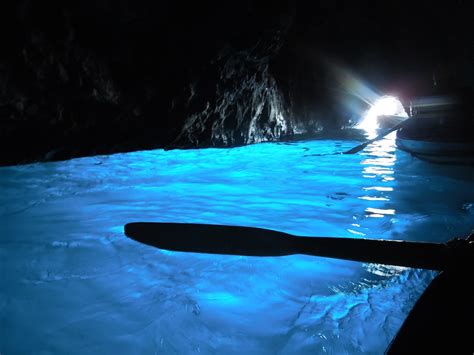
[(244, 105)]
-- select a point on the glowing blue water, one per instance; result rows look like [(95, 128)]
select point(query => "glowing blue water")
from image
[(71, 282)]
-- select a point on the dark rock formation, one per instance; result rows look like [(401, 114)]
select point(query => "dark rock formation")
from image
[(242, 103), (93, 77), (101, 77)]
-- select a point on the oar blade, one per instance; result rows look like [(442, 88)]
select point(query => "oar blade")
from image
[(248, 241), (211, 239)]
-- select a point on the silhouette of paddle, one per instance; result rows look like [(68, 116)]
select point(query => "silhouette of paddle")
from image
[(439, 321), (232, 240)]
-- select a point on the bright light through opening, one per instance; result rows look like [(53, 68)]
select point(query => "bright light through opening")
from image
[(386, 105)]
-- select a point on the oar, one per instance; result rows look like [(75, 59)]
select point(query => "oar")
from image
[(231, 240), (436, 323), (380, 136), (362, 146)]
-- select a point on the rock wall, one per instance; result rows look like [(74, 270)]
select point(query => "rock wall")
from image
[(235, 102), (100, 77), (94, 77)]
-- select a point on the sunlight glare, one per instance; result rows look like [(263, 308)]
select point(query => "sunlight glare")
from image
[(386, 105)]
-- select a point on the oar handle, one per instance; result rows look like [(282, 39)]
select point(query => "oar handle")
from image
[(401, 253)]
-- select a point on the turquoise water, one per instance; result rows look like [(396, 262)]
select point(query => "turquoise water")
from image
[(71, 282)]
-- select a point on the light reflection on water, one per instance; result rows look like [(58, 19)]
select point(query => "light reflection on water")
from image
[(66, 264), (380, 162)]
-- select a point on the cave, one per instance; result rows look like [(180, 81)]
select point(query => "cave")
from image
[(260, 124), (99, 78)]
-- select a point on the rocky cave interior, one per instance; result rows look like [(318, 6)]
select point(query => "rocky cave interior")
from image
[(97, 77)]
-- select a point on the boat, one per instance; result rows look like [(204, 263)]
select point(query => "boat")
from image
[(440, 129)]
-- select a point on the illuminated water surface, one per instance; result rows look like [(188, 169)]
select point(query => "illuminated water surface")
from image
[(71, 282)]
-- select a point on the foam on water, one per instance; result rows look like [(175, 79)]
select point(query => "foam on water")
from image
[(71, 282)]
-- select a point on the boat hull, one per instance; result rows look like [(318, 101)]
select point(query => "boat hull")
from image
[(439, 152)]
